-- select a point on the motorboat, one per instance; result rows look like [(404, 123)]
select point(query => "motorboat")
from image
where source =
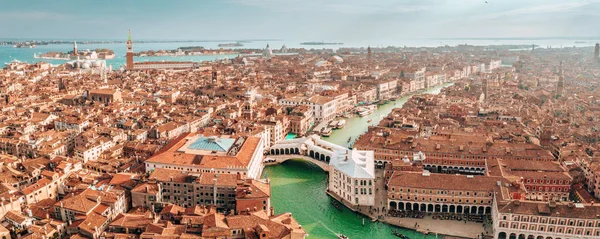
[(340, 124), (326, 132), (333, 124)]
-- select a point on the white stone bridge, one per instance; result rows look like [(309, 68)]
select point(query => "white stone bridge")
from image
[(310, 148)]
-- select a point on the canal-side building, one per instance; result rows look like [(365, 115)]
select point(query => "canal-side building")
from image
[(515, 219), (431, 192), (324, 107), (384, 89), (366, 94), (301, 119), (465, 154), (212, 154), (351, 172), (343, 100), (416, 76), (352, 177)]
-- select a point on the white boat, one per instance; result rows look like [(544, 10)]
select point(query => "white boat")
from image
[(340, 124), (342, 236), (333, 124), (326, 132), (367, 110)]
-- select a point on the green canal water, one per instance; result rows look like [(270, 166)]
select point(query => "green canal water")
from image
[(299, 187)]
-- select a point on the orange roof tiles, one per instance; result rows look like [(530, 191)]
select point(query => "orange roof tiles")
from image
[(444, 181), (173, 157), (36, 186)]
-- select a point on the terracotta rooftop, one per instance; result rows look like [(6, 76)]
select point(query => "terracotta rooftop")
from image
[(444, 181), (579, 211), (173, 156)]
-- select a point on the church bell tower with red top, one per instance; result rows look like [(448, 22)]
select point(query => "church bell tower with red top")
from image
[(129, 54)]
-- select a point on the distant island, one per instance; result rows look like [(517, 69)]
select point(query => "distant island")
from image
[(24, 45), (184, 51), (237, 44), (321, 43), (97, 54)]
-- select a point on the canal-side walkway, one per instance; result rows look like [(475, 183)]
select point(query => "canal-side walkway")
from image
[(441, 227), (426, 225)]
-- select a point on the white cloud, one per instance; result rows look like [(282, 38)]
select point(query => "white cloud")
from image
[(341, 6), (542, 8)]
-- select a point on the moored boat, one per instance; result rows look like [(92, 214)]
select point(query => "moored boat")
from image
[(398, 234), (333, 124), (326, 132), (340, 124), (342, 236), (366, 110), (337, 205)]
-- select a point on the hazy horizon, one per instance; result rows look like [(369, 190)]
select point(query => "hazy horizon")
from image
[(122, 39), (300, 19)]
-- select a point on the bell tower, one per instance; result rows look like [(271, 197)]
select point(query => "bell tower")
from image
[(75, 51), (129, 54), (369, 58)]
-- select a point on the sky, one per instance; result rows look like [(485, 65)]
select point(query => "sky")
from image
[(298, 19)]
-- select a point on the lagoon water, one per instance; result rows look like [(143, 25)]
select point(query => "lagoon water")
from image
[(9, 53)]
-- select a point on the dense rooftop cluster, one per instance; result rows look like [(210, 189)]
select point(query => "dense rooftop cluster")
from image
[(90, 152), (525, 135)]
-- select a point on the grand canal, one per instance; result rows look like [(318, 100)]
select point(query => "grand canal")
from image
[(299, 187)]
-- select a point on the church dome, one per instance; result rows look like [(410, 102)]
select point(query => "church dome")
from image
[(336, 59), (267, 52)]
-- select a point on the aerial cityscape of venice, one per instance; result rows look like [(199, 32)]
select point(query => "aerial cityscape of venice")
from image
[(287, 119)]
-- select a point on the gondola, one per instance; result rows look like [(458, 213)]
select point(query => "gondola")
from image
[(398, 234), (337, 205)]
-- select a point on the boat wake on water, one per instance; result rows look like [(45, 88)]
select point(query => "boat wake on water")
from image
[(322, 224)]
